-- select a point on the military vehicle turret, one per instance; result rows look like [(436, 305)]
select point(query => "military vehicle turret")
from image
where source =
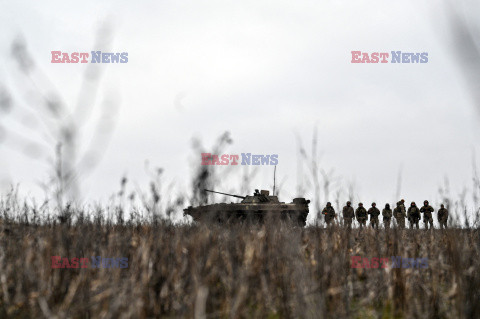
[(257, 208)]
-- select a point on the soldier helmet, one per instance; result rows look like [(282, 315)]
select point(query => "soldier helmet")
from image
[(425, 202), (387, 205), (403, 201), (373, 204), (442, 206), (348, 203), (329, 204), (413, 204), (360, 204)]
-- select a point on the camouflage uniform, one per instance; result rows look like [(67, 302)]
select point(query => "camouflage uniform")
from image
[(348, 215), (387, 215), (329, 213), (374, 212), (413, 215), (443, 216), (361, 214), (427, 211), (399, 214)]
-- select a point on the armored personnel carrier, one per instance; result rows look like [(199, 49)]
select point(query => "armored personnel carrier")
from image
[(257, 208)]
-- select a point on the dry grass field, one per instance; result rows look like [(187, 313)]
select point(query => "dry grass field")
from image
[(234, 271)]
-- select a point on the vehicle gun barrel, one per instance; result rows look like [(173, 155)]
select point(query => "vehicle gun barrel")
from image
[(237, 196)]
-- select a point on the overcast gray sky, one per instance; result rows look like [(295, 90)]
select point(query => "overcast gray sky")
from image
[(264, 71)]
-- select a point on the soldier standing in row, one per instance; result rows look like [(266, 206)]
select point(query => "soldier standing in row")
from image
[(387, 216), (348, 215), (442, 216), (329, 213), (427, 211), (402, 205), (399, 214), (374, 212), (413, 215), (361, 214)]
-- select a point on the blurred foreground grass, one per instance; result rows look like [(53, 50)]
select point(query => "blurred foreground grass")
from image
[(236, 271)]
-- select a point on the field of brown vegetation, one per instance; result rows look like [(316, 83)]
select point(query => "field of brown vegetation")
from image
[(234, 271)]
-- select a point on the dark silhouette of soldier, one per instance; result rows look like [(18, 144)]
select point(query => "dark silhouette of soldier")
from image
[(348, 215), (427, 211), (399, 214), (374, 212), (329, 213), (443, 216), (401, 203), (361, 214), (413, 215), (387, 216)]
